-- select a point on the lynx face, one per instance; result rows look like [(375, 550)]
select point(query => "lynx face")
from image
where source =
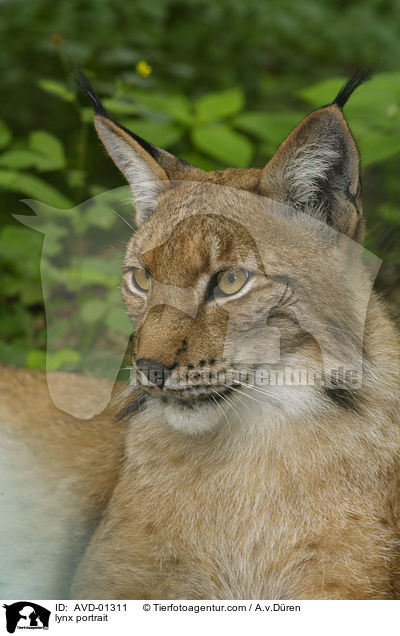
[(222, 300), (235, 277)]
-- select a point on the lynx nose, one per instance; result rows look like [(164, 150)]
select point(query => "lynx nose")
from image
[(155, 373)]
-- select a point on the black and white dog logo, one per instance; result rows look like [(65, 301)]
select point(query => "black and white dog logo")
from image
[(26, 615)]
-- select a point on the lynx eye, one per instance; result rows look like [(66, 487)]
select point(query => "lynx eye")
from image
[(141, 279), (231, 281)]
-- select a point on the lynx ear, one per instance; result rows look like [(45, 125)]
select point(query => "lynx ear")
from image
[(316, 169), (145, 176), (147, 169)]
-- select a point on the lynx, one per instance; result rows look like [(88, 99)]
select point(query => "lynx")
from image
[(255, 452)]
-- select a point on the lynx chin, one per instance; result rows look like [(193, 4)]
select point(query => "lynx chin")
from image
[(255, 452)]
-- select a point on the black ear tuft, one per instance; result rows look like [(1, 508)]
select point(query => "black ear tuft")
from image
[(173, 167), (83, 83), (359, 77)]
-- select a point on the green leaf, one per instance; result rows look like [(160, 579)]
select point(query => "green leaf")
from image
[(32, 186), (390, 214), (199, 160), (175, 107), (45, 153), (224, 144), (19, 159), (53, 233), (86, 114), (63, 359), (98, 264), (57, 89), (120, 106), (36, 359), (92, 310), (5, 135), (100, 215), (8, 323), (50, 150), (219, 105), (273, 127), (159, 133), (76, 178), (12, 354), (96, 189), (77, 277), (19, 244), (29, 292), (117, 321), (376, 147)]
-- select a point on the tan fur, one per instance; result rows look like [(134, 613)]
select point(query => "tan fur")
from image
[(292, 495), (57, 474)]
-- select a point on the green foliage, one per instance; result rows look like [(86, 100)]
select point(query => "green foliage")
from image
[(5, 135), (222, 143), (224, 84), (270, 127), (215, 106), (56, 88)]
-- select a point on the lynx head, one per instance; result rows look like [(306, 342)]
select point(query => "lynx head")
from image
[(235, 276)]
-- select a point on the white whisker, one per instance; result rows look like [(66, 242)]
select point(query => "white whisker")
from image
[(245, 394), (232, 406), (220, 407), (272, 397), (123, 218)]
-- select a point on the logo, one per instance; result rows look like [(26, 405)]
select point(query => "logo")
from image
[(26, 615)]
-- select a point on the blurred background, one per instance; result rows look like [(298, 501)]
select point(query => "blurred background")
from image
[(217, 82)]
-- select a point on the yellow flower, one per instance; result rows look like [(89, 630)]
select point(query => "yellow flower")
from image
[(143, 68), (57, 39)]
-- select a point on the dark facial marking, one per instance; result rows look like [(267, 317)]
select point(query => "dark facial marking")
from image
[(134, 405), (345, 398)]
